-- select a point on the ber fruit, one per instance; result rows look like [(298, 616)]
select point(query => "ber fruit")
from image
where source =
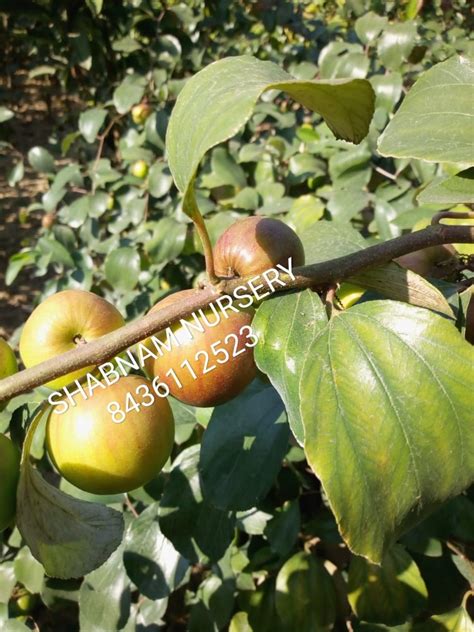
[(9, 475), (219, 357), (8, 365), (103, 456), (139, 169), (254, 245), (62, 322), (140, 113)]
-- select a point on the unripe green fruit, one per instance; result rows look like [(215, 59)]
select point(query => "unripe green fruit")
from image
[(255, 244), (62, 322), (139, 169), (8, 365), (228, 377), (101, 456), (436, 262), (349, 293), (9, 475), (140, 113)]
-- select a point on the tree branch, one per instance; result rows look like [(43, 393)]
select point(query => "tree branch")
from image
[(314, 276)]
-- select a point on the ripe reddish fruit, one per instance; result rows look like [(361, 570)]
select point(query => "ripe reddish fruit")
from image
[(255, 244), (436, 262), (63, 321), (9, 475), (218, 356), (101, 456)]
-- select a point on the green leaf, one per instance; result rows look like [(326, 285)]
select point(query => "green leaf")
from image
[(122, 268), (90, 123), (390, 593), (218, 101), (224, 171), (433, 122), (160, 180), (95, 6), (457, 620), (305, 596), (7, 581), (41, 160), (128, 93), (396, 43), (16, 263), (69, 537), (372, 385), (16, 174), (152, 562), (104, 597), (188, 521), (369, 26), (5, 114), (282, 531), (167, 241), (285, 326), (29, 571), (242, 449), (450, 190)]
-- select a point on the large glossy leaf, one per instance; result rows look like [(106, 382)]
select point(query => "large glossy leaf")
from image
[(305, 594), (70, 537), (286, 326), (434, 122), (389, 593), (386, 403), (242, 449), (218, 100), (90, 123)]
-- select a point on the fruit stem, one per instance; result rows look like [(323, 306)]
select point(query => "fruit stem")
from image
[(207, 247)]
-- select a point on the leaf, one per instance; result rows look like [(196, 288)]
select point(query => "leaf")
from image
[(282, 531), (16, 174), (188, 521), (433, 122), (242, 449), (41, 160), (369, 26), (122, 268), (373, 383), (5, 114), (327, 240), (90, 123), (285, 326), (305, 596), (95, 6), (396, 43), (390, 593), (167, 241), (29, 571), (450, 190), (160, 180), (152, 562), (69, 537), (128, 93), (218, 101), (104, 597), (7, 581)]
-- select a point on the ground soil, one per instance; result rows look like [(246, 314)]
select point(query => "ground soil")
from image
[(38, 106)]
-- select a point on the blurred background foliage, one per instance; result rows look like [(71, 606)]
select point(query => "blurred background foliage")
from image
[(95, 225)]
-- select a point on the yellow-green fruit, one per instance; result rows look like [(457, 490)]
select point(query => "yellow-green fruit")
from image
[(9, 474), (139, 169), (25, 604), (140, 113), (349, 293), (102, 449), (8, 365), (61, 323)]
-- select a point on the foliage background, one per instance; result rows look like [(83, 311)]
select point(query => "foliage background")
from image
[(91, 224)]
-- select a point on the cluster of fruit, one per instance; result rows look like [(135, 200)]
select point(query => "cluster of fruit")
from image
[(102, 457)]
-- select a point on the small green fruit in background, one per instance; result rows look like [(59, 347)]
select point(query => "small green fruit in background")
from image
[(349, 293), (140, 113), (9, 475), (8, 365), (139, 169)]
